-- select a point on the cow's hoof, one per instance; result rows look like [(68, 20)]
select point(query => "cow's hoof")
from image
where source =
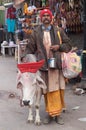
[(38, 123), (30, 121)]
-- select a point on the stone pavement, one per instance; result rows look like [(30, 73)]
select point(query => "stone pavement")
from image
[(14, 117)]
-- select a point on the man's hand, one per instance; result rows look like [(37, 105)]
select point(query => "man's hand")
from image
[(54, 48)]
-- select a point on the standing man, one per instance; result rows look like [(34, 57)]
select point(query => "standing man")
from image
[(45, 43)]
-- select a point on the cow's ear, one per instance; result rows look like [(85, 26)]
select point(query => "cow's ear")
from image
[(40, 82)]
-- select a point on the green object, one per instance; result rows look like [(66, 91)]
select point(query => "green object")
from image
[(2, 17), (43, 3)]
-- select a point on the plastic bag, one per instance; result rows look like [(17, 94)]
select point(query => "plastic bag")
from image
[(71, 65)]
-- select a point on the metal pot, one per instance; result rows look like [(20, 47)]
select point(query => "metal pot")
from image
[(52, 63)]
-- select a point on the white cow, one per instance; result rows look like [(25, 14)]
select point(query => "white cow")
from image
[(31, 85)]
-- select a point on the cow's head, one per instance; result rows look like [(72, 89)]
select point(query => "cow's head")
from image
[(28, 89), (30, 82)]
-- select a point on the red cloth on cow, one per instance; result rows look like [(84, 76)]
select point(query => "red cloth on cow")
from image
[(32, 67)]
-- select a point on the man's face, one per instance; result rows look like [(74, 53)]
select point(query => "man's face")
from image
[(46, 18)]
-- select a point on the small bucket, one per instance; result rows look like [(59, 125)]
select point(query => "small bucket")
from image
[(52, 63)]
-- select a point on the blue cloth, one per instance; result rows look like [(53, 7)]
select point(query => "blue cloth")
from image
[(46, 29), (11, 24)]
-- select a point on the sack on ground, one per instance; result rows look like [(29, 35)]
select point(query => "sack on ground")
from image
[(71, 65)]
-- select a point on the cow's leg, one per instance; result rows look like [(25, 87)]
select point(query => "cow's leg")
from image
[(37, 105), (30, 116)]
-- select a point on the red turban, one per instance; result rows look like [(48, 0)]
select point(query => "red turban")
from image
[(46, 11)]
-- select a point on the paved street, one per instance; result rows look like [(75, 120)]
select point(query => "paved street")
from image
[(14, 117)]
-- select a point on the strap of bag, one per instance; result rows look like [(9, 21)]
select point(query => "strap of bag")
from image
[(60, 39)]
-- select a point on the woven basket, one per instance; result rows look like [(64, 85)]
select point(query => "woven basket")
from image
[(32, 67)]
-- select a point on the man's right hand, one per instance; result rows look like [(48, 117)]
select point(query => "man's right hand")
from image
[(54, 48)]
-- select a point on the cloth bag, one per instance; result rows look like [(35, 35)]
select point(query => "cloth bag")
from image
[(71, 63)]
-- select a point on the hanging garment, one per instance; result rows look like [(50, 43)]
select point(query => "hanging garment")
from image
[(11, 24), (32, 2), (52, 3), (11, 12), (43, 3)]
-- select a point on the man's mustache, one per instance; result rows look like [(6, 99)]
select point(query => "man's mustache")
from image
[(46, 19)]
